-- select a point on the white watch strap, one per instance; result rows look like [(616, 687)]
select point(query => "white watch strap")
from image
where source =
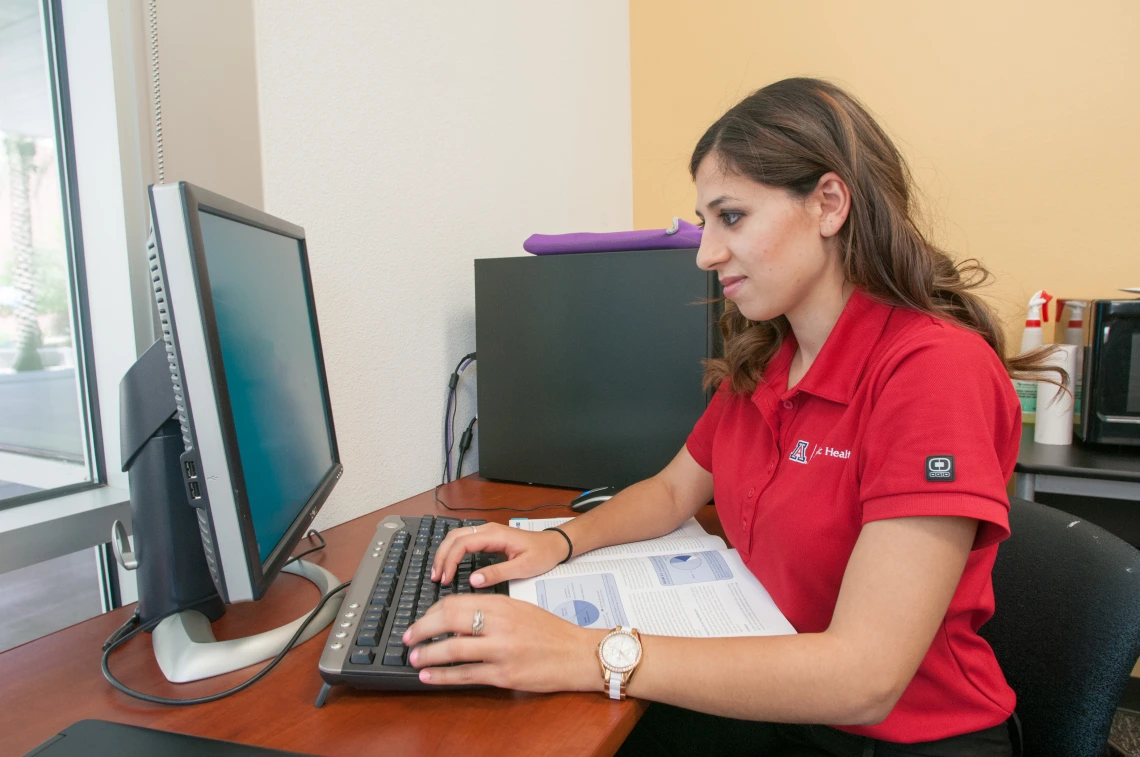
[(615, 678)]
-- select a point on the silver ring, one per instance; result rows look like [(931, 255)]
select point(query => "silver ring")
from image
[(473, 529), (477, 623)]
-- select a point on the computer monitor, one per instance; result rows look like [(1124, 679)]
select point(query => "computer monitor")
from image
[(239, 448)]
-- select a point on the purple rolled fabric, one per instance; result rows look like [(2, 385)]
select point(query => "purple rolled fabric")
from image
[(683, 235)]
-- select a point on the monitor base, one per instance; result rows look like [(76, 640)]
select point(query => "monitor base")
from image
[(186, 649)]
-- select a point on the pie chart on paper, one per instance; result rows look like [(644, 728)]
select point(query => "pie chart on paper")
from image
[(685, 562), (579, 612)]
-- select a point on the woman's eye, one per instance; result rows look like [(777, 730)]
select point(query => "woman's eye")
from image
[(730, 218)]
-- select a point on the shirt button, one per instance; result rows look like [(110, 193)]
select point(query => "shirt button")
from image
[(751, 492), (788, 404)]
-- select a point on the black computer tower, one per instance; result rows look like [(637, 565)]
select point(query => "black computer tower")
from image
[(590, 365)]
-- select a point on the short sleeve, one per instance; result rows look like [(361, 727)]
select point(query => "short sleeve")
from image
[(700, 441), (943, 435)]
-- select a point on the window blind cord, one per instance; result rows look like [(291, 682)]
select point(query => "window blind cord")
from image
[(157, 90)]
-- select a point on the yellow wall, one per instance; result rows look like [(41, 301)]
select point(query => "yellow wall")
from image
[(1021, 121)]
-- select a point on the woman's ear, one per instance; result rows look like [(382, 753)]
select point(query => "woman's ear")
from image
[(834, 199)]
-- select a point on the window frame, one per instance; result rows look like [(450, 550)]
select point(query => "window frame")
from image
[(51, 15), (109, 164)]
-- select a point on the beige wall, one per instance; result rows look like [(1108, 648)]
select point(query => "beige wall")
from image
[(1021, 120), (208, 66)]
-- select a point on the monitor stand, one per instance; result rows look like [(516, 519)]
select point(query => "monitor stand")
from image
[(172, 574), (187, 651)]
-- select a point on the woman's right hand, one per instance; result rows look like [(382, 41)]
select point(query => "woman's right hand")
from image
[(529, 553)]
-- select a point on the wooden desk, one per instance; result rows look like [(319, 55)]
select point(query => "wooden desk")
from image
[(49, 683)]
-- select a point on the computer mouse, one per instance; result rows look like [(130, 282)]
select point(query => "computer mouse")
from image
[(590, 499)]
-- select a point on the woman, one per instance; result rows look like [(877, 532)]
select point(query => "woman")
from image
[(857, 448)]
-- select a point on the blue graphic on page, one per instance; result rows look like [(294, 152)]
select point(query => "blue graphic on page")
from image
[(690, 568), (590, 601)]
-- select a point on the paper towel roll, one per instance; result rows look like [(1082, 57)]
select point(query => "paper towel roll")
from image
[(1055, 413)]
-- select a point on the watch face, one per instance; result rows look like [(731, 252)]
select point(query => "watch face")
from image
[(621, 652)]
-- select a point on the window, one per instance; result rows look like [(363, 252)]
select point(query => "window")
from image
[(48, 426)]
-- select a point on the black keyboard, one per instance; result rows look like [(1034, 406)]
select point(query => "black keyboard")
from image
[(391, 590)]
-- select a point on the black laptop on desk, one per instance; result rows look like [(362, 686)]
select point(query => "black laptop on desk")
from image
[(88, 738)]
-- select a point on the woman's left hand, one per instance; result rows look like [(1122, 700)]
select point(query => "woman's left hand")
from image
[(520, 647)]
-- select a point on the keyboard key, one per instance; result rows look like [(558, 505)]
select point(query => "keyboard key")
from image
[(393, 655), (368, 638), (473, 522), (369, 625), (362, 656)]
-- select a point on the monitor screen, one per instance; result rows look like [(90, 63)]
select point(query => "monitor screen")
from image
[(266, 331)]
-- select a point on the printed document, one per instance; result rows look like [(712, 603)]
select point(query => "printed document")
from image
[(685, 583)]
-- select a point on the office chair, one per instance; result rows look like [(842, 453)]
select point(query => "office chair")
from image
[(1066, 630)]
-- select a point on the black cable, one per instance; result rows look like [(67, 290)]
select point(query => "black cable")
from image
[(464, 445), (113, 644), (451, 431), (444, 478), (310, 550), (446, 506), (449, 415), (131, 623)]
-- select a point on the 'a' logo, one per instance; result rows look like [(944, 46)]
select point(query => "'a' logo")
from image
[(799, 454)]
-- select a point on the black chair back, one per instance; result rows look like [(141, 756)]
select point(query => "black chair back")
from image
[(1067, 627)]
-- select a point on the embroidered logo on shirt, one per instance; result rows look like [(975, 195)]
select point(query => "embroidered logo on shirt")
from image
[(940, 468), (799, 454)]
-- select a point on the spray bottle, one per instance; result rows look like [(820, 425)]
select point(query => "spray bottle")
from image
[(1073, 335), (1031, 339)]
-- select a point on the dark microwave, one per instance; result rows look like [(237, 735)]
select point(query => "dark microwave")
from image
[(1110, 401)]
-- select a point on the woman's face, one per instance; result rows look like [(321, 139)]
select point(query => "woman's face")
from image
[(770, 249)]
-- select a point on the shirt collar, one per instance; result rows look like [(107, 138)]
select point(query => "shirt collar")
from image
[(837, 369)]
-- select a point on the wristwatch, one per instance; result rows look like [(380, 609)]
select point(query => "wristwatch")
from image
[(619, 653)]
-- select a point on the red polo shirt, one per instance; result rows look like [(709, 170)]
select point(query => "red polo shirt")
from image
[(901, 414)]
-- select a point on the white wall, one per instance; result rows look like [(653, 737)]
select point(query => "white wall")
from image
[(410, 139)]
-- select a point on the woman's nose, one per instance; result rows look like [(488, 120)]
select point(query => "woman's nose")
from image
[(710, 253)]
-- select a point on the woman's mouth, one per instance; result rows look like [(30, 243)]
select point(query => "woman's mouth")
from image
[(732, 284)]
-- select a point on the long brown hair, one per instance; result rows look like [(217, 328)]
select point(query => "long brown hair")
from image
[(788, 135)]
